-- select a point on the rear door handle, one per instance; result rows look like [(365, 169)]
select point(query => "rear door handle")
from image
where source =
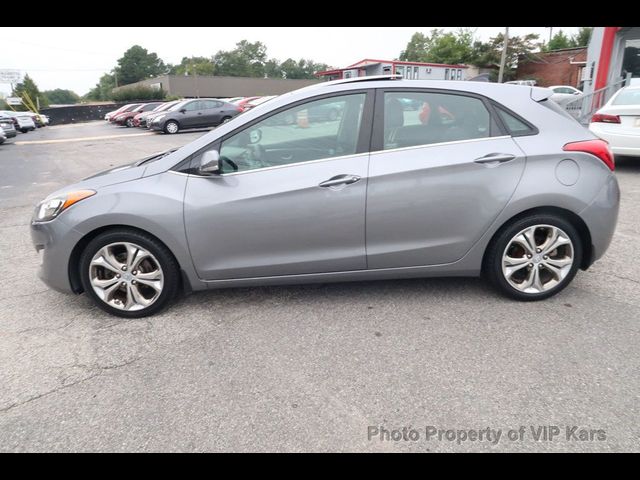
[(493, 159), (340, 180)]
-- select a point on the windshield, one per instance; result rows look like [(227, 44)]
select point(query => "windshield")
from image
[(178, 106), (628, 97)]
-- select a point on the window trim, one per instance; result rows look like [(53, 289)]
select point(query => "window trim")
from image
[(362, 145), (377, 138)]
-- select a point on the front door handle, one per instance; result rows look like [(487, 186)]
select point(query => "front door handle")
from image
[(493, 159), (340, 180)]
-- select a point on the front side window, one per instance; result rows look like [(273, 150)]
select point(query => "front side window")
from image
[(192, 106), (315, 130), (439, 118)]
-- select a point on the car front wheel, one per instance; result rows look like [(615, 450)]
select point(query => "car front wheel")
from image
[(534, 257), (171, 127), (129, 273)]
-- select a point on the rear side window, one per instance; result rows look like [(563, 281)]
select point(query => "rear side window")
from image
[(417, 118), (514, 125)]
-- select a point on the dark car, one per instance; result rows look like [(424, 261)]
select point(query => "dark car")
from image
[(140, 120), (196, 113), (126, 118)]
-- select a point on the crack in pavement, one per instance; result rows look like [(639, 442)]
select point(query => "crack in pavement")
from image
[(100, 371)]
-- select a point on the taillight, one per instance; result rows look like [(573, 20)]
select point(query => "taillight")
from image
[(598, 147), (602, 118)]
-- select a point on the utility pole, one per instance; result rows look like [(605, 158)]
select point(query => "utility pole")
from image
[(550, 34), (503, 58)]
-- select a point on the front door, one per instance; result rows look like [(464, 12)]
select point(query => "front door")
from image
[(290, 199)]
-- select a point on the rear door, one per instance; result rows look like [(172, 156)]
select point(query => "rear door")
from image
[(211, 113), (439, 175)]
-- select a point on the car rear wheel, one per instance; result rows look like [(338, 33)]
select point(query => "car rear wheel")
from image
[(171, 127), (226, 119), (534, 257), (129, 273)]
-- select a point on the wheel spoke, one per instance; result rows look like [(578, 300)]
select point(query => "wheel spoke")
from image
[(138, 297), (105, 259), (104, 283), (514, 264), (557, 239), (527, 240), (558, 262)]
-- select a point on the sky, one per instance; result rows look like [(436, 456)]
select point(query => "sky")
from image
[(75, 58)]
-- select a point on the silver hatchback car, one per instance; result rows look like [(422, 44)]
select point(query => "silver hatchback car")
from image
[(410, 179)]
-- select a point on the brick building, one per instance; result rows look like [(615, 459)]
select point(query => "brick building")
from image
[(558, 67)]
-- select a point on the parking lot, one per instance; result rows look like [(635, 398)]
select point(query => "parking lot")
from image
[(305, 368)]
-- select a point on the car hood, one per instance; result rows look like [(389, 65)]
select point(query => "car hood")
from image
[(112, 176)]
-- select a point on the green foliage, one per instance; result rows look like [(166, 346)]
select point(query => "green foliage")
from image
[(139, 92), (102, 90), (193, 66), (440, 47), (138, 64), (246, 60), (61, 96), (581, 39), (27, 89), (558, 41)]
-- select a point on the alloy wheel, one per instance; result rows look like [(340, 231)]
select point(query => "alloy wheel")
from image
[(537, 259), (126, 276)]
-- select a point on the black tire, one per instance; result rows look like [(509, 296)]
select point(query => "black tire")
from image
[(225, 120), (492, 267), (129, 123), (169, 129), (167, 261), (24, 130)]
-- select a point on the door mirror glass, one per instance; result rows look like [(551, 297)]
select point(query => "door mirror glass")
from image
[(210, 163)]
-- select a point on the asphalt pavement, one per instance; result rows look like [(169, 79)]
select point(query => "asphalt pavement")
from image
[(335, 367)]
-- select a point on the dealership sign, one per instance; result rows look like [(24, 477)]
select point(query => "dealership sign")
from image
[(10, 76), (13, 100)]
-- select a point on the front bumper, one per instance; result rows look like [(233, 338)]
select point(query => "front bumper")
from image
[(156, 126), (55, 242), (601, 217), (10, 133)]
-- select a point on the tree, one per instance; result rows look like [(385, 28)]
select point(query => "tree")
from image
[(138, 64), (558, 41), (300, 69), (103, 89), (440, 47), (246, 60), (193, 66), (519, 49), (61, 96), (28, 91), (581, 39)]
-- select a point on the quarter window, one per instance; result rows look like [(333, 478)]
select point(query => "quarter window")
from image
[(315, 130), (513, 124), (412, 119)]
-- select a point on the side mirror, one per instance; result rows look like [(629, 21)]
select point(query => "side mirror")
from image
[(210, 163), (183, 110)]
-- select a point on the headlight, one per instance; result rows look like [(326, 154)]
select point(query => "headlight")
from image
[(52, 207), (158, 118)]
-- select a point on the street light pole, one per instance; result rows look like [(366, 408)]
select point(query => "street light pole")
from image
[(503, 58)]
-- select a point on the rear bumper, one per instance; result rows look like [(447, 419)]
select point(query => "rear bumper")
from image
[(601, 217), (620, 143)]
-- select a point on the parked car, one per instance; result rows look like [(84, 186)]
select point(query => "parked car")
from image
[(7, 126), (618, 122), (126, 118), (513, 188), (3, 137), (563, 94), (257, 101), (242, 103), (527, 83), (126, 108), (45, 119), (131, 108), (140, 119), (22, 120), (196, 113)]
